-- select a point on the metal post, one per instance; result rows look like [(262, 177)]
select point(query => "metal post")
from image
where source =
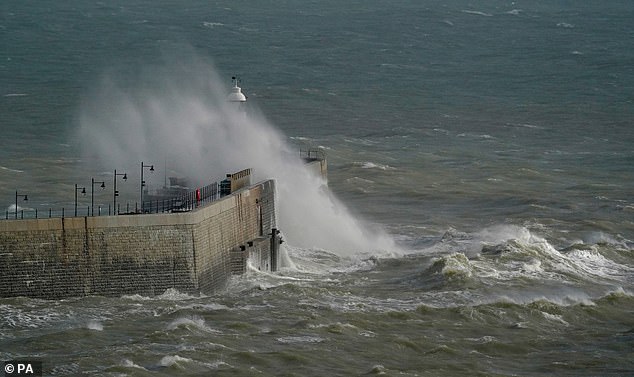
[(92, 194), (275, 247), (83, 191), (143, 166), (16, 203), (116, 193)]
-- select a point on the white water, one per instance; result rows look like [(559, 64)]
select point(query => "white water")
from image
[(177, 116)]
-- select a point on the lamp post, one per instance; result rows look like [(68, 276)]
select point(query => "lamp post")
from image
[(83, 191), (16, 202), (116, 193), (143, 166), (92, 193)]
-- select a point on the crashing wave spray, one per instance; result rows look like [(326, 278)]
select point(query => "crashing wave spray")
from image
[(179, 113)]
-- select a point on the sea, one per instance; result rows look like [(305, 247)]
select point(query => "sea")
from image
[(477, 218)]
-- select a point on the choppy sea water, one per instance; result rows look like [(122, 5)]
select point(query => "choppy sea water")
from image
[(481, 157)]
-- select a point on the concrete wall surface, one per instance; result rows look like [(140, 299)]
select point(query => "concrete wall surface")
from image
[(134, 254)]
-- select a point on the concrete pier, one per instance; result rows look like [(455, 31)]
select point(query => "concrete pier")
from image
[(193, 252)]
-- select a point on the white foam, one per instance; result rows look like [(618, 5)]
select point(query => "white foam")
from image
[(11, 170), (170, 294), (130, 364), (192, 323), (565, 25), (300, 339), (477, 13), (212, 25), (174, 295), (170, 360), (94, 325), (555, 318), (373, 165)]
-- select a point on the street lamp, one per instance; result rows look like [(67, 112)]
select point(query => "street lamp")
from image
[(143, 166), (116, 193), (16, 202), (83, 191), (92, 193)]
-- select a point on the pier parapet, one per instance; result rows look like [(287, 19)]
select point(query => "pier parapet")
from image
[(235, 182)]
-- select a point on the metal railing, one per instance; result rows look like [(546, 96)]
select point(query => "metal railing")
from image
[(188, 201), (312, 154)]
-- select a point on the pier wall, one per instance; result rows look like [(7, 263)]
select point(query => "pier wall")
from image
[(146, 254)]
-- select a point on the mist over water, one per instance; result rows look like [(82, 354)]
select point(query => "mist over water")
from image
[(177, 117)]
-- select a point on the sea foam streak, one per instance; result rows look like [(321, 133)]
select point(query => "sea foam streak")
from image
[(180, 115)]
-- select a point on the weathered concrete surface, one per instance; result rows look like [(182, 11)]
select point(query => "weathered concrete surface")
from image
[(137, 254), (318, 167)]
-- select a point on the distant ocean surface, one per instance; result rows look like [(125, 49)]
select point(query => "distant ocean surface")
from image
[(480, 160)]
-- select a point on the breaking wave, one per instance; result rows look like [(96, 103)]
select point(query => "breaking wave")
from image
[(178, 114)]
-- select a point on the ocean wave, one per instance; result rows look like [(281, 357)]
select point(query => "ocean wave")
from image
[(300, 339), (170, 294), (186, 363), (452, 266), (171, 360), (300, 138), (212, 25), (372, 165), (11, 170), (526, 250), (127, 363), (477, 13), (192, 324), (359, 181), (360, 141), (477, 136), (94, 325), (28, 317), (509, 255)]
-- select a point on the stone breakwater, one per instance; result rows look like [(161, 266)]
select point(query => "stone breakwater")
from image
[(193, 252)]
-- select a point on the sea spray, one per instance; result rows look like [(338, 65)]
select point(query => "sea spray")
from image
[(178, 114)]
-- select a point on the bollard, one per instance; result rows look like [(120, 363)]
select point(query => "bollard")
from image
[(276, 241)]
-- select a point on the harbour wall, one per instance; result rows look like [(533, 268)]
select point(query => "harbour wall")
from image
[(315, 161), (193, 252)]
